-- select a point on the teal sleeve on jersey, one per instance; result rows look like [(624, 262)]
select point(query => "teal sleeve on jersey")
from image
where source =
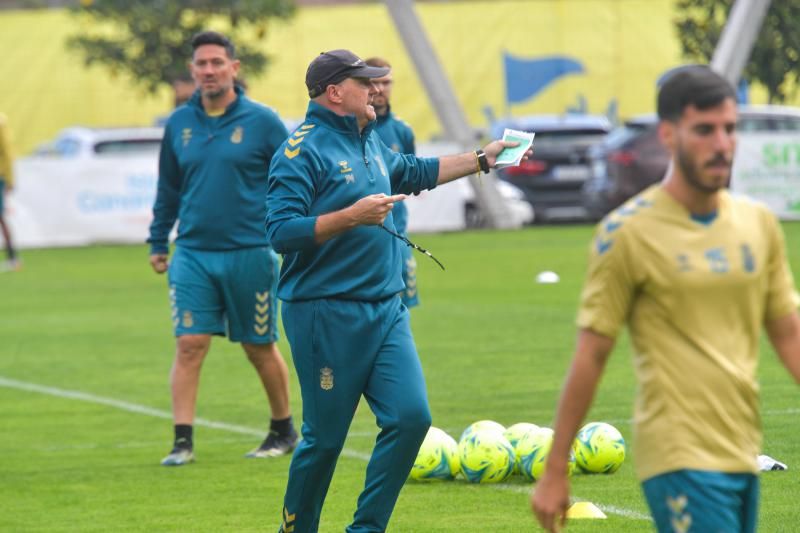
[(290, 196), (406, 170), (165, 210)]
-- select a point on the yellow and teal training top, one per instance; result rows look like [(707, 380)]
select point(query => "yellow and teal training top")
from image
[(695, 295)]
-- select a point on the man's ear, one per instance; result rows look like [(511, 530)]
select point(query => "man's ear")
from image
[(334, 93), (666, 133)]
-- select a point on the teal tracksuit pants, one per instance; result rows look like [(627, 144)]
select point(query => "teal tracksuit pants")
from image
[(341, 350)]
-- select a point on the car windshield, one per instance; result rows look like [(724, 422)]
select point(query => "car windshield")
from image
[(755, 123), (567, 137), (127, 146), (623, 134)]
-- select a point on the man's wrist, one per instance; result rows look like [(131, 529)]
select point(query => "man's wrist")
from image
[(483, 162)]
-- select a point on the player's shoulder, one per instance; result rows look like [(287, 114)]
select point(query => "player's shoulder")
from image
[(630, 214), (625, 222), (183, 116), (300, 144), (743, 202), (261, 109), (402, 124), (751, 210)]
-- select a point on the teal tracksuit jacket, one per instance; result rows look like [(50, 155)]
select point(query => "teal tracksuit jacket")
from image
[(349, 332), (324, 166), (216, 189)]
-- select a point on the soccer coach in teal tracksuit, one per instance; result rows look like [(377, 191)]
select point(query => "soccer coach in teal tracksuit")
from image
[(331, 185)]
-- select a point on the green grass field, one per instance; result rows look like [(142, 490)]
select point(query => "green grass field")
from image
[(86, 347)]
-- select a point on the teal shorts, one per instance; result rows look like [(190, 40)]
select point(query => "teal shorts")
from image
[(229, 293), (697, 501)]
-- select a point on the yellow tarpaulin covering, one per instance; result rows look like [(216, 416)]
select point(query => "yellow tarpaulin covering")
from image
[(624, 45)]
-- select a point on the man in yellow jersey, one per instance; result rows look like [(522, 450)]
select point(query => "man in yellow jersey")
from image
[(695, 272)]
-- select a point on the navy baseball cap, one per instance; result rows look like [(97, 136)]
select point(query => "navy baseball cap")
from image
[(330, 68)]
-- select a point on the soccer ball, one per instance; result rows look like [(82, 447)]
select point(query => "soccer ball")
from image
[(486, 457), (437, 457), (514, 434), (532, 452), (482, 425), (599, 448)]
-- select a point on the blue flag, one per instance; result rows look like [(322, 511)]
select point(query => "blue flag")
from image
[(527, 77)]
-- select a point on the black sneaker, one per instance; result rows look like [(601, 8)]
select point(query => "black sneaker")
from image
[(275, 445)]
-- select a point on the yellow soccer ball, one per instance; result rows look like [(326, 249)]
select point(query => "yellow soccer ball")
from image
[(599, 448), (514, 434), (482, 425), (486, 457), (437, 458)]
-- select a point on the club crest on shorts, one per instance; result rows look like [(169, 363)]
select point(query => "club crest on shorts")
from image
[(188, 320), (326, 378)]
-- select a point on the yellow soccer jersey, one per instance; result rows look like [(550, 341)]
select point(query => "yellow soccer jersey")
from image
[(695, 297)]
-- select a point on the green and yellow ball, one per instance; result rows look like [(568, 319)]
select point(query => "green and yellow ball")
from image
[(437, 458), (514, 434), (599, 448), (482, 425), (486, 457)]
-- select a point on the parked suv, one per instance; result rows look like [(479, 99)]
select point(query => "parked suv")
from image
[(632, 157), (552, 179)]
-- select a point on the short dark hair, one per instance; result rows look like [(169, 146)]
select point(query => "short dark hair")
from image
[(213, 37), (695, 85), (377, 62)]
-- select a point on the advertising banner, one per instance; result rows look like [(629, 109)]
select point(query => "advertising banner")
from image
[(767, 168), (59, 202)]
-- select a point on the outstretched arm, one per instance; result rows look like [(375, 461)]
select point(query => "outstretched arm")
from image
[(550, 499), (452, 167)]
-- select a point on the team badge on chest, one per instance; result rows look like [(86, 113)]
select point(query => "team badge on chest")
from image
[(237, 135), (349, 177)]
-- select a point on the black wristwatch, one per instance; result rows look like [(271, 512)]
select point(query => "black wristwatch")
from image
[(483, 163)]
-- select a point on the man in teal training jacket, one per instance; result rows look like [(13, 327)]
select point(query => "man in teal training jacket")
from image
[(222, 277), (332, 186)]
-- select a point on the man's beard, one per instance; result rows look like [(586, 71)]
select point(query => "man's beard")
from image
[(213, 94), (691, 173)]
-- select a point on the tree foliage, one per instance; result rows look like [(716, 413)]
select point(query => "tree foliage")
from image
[(775, 61), (150, 39)]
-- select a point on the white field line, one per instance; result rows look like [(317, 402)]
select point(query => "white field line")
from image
[(232, 428), (143, 410)]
